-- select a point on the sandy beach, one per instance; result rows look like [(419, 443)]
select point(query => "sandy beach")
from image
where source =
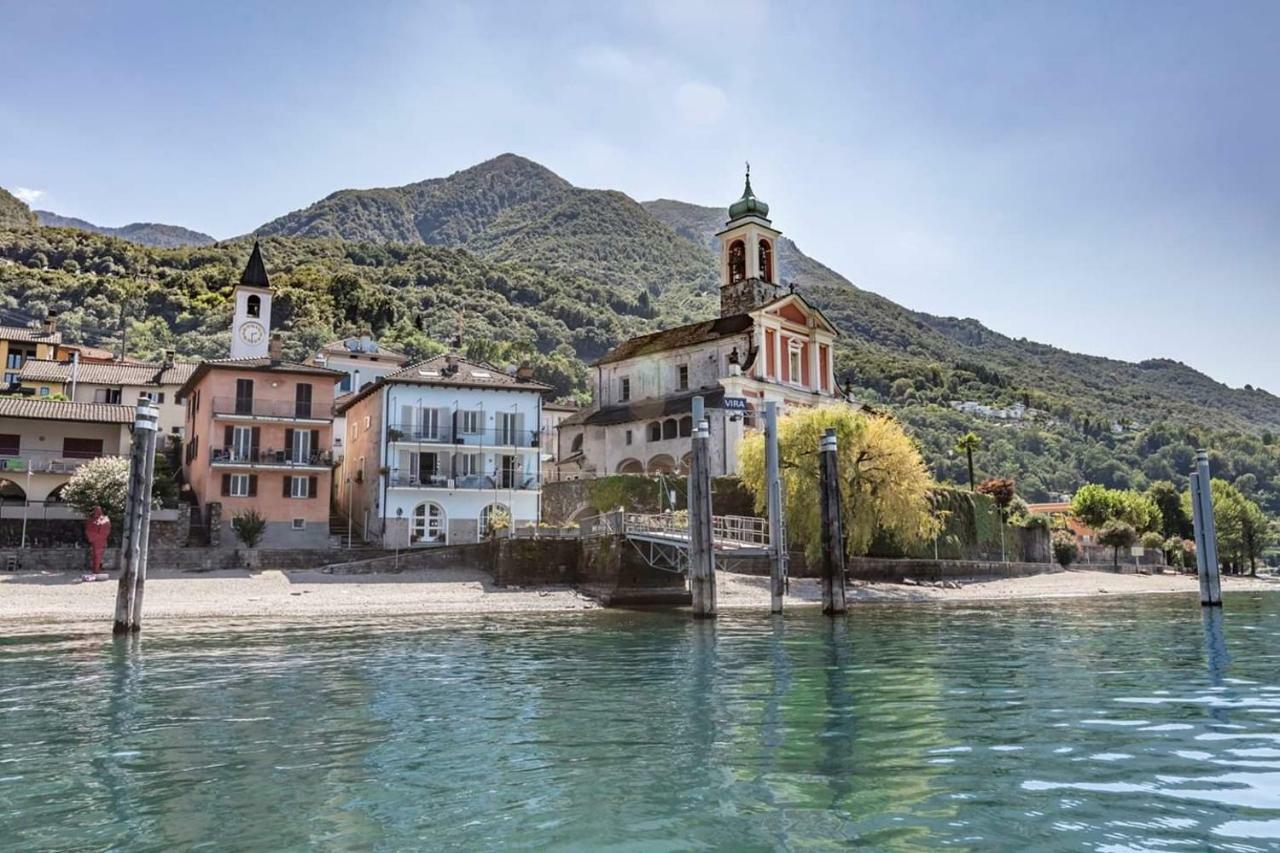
[(171, 595)]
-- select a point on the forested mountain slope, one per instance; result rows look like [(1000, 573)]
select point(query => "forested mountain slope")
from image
[(143, 233)]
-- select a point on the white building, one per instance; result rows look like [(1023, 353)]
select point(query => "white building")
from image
[(362, 360), (768, 344), (439, 449)]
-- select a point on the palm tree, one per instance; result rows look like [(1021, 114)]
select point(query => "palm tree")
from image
[(966, 444)]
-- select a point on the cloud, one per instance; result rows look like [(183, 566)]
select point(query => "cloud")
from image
[(701, 103), (610, 62), (27, 195)]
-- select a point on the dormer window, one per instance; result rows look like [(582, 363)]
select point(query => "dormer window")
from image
[(253, 305)]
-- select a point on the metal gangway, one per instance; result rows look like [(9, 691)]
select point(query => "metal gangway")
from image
[(662, 538)]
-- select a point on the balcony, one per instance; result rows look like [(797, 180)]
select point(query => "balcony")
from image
[(496, 481), (44, 462), (237, 456), (257, 407), (445, 434)]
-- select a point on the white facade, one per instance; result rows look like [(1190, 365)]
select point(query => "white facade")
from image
[(250, 321), (428, 464)]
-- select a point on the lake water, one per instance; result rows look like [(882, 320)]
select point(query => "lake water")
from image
[(1119, 724)]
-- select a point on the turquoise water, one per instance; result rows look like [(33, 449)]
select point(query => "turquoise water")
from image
[(1119, 724)]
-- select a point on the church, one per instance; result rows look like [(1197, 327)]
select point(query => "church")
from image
[(767, 344)]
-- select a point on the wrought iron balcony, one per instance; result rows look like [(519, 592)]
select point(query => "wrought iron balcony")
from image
[(269, 457), (44, 461), (445, 434), (517, 480)]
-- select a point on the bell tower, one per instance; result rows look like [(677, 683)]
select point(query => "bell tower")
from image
[(251, 317), (748, 256)]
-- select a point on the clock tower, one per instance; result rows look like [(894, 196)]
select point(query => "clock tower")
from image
[(251, 320)]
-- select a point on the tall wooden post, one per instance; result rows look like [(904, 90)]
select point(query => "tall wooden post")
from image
[(137, 520), (773, 483), (832, 530), (1206, 533), (702, 567)]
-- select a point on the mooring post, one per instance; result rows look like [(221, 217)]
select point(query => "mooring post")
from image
[(1212, 583), (773, 484), (137, 519), (832, 529), (702, 568)]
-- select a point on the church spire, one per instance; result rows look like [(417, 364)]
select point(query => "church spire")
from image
[(748, 205), (255, 272)]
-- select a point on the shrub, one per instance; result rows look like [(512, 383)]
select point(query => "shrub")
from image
[(1065, 549), (249, 527), (100, 482), (1151, 539)]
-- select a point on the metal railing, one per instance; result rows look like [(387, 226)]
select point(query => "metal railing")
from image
[(45, 462), (445, 434), (270, 456), (259, 407), (518, 480), (733, 530)]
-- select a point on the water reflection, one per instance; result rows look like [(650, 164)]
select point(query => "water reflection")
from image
[(1120, 724)]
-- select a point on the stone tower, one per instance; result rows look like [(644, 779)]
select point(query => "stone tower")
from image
[(748, 260), (251, 319)]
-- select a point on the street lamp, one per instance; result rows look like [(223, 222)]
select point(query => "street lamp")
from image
[(26, 509)]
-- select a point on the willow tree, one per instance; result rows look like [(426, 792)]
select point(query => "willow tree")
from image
[(884, 484)]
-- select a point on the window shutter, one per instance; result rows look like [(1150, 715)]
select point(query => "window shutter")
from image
[(228, 436), (288, 443), (226, 485), (313, 485), (254, 437), (406, 419), (253, 485), (315, 443), (288, 486)]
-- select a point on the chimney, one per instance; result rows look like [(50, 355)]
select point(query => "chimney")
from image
[(524, 372), (51, 322), (168, 358), (276, 349), (450, 364)]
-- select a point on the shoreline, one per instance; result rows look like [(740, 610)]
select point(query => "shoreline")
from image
[(56, 597)]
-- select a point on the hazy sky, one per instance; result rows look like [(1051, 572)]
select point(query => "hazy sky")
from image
[(1103, 177)]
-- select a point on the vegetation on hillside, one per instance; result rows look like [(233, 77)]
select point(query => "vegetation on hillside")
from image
[(143, 233), (13, 212)]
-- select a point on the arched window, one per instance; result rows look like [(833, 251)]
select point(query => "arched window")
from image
[(494, 516), (55, 497), (655, 431), (670, 428), (630, 466), (766, 261), (11, 491), (576, 447), (686, 426), (662, 464), (428, 524), (737, 261), (253, 305)]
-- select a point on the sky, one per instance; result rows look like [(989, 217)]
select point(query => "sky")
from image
[(1104, 177)]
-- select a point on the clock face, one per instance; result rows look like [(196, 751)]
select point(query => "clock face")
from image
[(252, 332)]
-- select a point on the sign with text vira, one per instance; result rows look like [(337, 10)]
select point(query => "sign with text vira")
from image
[(736, 404)]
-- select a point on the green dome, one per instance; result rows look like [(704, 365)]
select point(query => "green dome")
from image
[(748, 205)]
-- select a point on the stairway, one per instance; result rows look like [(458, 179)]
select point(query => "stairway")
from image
[(338, 530)]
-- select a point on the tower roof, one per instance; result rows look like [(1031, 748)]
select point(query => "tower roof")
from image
[(255, 272), (748, 205)]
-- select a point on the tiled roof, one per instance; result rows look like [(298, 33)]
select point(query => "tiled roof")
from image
[(118, 373), (360, 346), (436, 371), (255, 365), (53, 410), (28, 333), (681, 336), (641, 410)]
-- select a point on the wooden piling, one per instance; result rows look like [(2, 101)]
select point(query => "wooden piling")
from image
[(773, 483), (833, 598), (702, 574), (137, 520)]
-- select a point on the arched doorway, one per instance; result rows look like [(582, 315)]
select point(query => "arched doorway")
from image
[(494, 515), (11, 491), (428, 525), (737, 261), (766, 261), (55, 497), (686, 462), (630, 466), (662, 464)]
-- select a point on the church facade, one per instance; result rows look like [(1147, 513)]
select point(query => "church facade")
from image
[(767, 344)]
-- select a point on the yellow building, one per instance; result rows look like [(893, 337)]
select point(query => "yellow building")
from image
[(19, 343)]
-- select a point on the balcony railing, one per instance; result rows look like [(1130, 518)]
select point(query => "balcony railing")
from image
[(495, 481), (44, 462), (270, 456), (259, 407), (445, 434)]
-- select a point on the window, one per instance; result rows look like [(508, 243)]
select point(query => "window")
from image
[(682, 377), (239, 485), (427, 524), (241, 445), (686, 426), (655, 431), (106, 395), (576, 446), (300, 445), (470, 422), (81, 448), (794, 353), (345, 385), (299, 524), (153, 396), (9, 445), (299, 487), (244, 396), (470, 464), (44, 390), (624, 394), (766, 261), (669, 428), (628, 436), (302, 400), (737, 261), (509, 424), (491, 515), (253, 306)]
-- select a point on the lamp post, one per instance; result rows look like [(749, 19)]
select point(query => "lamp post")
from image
[(26, 509)]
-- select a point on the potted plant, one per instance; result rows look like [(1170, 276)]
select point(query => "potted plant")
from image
[(249, 526)]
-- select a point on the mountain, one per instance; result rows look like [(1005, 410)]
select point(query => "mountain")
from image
[(14, 213), (142, 233)]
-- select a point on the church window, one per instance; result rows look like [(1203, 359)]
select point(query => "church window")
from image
[(625, 390), (766, 261), (655, 431), (682, 377), (737, 261), (253, 305)]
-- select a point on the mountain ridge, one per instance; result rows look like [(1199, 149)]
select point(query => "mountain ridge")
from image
[(156, 234)]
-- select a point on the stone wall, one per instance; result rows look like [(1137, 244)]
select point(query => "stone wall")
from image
[(533, 562), (478, 557), (881, 569), (169, 528), (184, 559)]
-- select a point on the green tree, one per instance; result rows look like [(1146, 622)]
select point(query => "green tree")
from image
[(1094, 505), (1116, 534), (884, 485), (1174, 520), (249, 526), (968, 444)]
